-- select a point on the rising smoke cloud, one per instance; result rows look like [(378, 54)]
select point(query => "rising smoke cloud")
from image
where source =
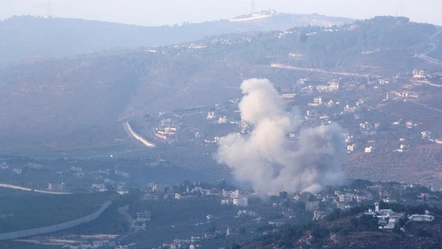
[(264, 158)]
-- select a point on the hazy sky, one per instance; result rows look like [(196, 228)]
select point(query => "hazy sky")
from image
[(158, 12)]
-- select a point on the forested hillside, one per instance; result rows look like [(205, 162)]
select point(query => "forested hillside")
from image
[(27, 36)]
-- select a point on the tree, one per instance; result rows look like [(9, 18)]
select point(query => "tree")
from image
[(211, 229), (235, 246)]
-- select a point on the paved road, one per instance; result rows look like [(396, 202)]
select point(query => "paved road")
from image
[(3, 185), (137, 136), (316, 70), (123, 211)]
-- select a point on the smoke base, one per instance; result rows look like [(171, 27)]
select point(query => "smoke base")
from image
[(263, 157)]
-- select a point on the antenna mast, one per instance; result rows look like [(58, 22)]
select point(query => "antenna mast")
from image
[(399, 8), (253, 6), (49, 9)]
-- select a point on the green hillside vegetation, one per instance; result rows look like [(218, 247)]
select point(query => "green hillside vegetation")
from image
[(109, 222), (352, 229), (34, 210), (181, 219), (337, 46), (28, 36), (94, 92), (171, 217)]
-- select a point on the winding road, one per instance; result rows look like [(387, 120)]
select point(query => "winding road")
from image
[(123, 211), (434, 46), (138, 137)]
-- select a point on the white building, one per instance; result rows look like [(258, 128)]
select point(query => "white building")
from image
[(211, 115), (241, 202), (17, 171), (99, 187), (418, 73), (225, 202), (222, 120), (350, 148), (347, 197), (317, 101), (387, 218)]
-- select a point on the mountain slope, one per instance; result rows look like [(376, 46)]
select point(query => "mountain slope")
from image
[(358, 232), (28, 36), (50, 99)]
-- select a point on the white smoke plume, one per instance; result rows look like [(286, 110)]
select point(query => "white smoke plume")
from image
[(264, 158)]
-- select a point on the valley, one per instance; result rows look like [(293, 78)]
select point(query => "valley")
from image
[(267, 130)]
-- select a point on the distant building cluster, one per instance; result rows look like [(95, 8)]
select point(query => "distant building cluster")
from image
[(238, 198), (388, 219)]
